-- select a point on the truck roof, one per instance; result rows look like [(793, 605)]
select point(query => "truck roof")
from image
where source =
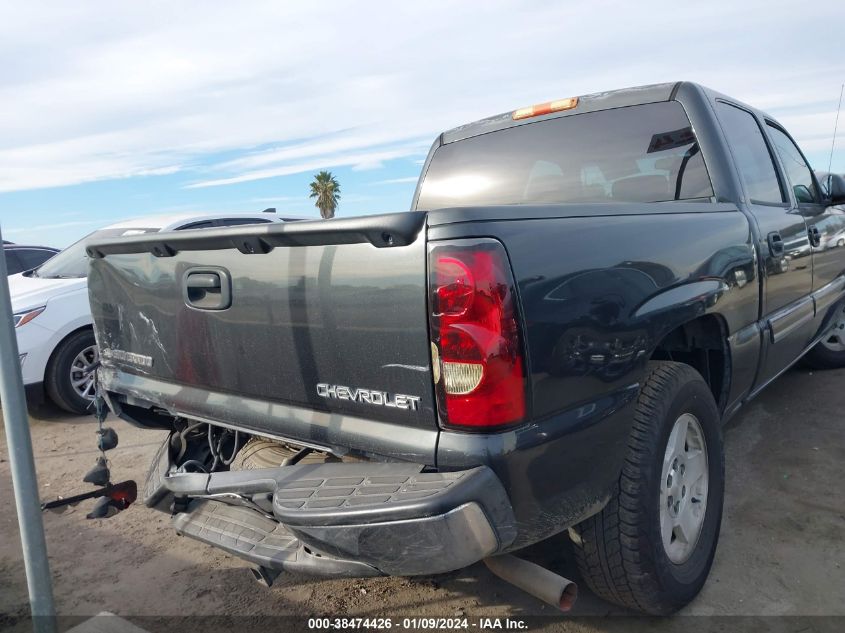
[(637, 95)]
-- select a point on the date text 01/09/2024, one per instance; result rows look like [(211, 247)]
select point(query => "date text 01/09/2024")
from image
[(425, 623)]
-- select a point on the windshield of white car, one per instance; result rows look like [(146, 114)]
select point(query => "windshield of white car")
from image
[(72, 262)]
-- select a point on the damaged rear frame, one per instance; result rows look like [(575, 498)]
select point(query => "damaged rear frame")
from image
[(339, 519)]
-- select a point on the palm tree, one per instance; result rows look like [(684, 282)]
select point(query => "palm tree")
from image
[(327, 191)]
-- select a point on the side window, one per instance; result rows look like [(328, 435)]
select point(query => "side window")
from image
[(204, 224), (13, 264), (797, 171), (33, 257), (240, 221), (751, 154)]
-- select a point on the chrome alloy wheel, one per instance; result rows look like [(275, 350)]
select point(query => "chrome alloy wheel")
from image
[(835, 340), (683, 489), (83, 383)]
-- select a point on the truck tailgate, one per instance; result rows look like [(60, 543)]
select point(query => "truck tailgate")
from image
[(326, 315)]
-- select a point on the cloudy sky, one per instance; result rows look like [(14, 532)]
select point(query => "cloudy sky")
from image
[(114, 110)]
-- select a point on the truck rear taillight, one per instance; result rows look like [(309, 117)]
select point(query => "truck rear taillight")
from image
[(476, 350)]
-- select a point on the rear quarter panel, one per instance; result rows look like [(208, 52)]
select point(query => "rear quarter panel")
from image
[(597, 294)]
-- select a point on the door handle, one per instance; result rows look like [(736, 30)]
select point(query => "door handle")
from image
[(775, 244), (207, 289), (815, 236)]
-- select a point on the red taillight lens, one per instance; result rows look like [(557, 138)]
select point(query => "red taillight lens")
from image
[(455, 286), (474, 329)]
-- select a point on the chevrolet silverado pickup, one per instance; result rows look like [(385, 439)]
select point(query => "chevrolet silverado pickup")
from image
[(548, 342)]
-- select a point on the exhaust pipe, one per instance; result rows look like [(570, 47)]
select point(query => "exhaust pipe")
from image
[(538, 581), (264, 575)]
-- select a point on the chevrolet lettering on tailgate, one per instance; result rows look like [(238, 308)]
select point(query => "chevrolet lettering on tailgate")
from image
[(368, 396)]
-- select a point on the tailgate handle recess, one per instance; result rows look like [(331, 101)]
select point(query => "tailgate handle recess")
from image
[(207, 288)]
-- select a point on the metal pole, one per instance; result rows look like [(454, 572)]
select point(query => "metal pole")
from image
[(16, 420)]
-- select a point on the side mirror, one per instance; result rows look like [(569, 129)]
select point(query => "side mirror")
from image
[(803, 193), (833, 186)]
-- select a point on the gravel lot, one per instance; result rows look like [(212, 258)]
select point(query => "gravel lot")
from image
[(782, 549)]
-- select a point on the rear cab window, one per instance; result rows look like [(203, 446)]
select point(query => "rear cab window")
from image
[(643, 153)]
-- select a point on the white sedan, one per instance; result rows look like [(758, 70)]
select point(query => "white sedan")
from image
[(53, 317)]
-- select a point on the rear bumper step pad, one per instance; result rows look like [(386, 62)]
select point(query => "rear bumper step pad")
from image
[(342, 518), (259, 539)]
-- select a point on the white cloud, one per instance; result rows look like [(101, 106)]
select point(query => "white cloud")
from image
[(45, 227), (363, 160), (105, 90)]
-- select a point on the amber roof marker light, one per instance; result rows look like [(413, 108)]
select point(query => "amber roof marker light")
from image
[(545, 108)]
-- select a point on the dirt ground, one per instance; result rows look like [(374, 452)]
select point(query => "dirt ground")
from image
[(782, 549)]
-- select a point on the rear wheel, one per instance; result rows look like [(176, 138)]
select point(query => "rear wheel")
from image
[(66, 382), (652, 546), (829, 353)]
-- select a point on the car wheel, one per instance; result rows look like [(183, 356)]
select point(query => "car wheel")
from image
[(651, 548), (829, 353), (66, 382), (840, 242)]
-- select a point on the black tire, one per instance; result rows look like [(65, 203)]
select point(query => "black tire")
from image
[(620, 552), (822, 357), (260, 453), (57, 380)]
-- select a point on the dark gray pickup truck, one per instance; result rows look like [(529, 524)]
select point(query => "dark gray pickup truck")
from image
[(550, 340)]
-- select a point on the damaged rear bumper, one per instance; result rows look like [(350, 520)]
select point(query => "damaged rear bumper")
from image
[(340, 519)]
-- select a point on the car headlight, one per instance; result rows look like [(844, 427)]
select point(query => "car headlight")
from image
[(24, 317)]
